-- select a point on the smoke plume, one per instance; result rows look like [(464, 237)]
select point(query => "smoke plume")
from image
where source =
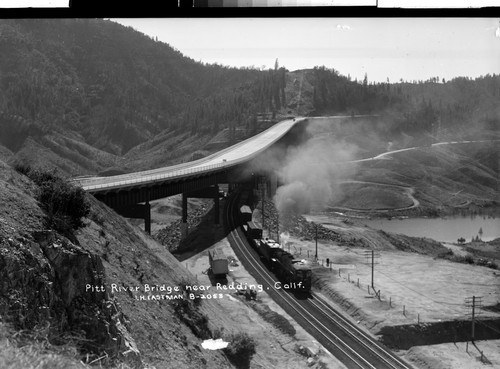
[(312, 173)]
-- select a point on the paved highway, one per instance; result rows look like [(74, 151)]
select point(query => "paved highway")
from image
[(238, 153)]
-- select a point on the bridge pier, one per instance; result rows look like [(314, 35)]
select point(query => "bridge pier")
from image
[(216, 207), (137, 211), (270, 184), (147, 217), (184, 224), (273, 184), (184, 230)]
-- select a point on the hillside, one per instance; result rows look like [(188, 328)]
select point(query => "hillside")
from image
[(50, 287), (99, 295), (438, 181), (88, 96), (91, 96), (81, 93)]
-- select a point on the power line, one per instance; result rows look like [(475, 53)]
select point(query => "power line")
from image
[(427, 297), (442, 303), (472, 303), (373, 255)]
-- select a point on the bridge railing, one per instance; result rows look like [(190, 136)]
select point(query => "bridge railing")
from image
[(183, 172), (152, 178)]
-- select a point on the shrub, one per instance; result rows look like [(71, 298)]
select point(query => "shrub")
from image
[(187, 311), (64, 204), (218, 333), (22, 167), (469, 259), (240, 350), (181, 307), (486, 263)]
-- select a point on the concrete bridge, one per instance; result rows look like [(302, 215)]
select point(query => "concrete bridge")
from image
[(130, 194)]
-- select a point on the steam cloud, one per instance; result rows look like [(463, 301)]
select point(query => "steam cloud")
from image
[(312, 173)]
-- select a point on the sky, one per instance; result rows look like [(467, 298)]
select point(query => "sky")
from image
[(383, 48)]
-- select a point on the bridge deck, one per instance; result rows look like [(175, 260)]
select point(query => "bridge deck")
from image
[(238, 153)]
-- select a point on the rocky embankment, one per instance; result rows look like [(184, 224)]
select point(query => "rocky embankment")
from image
[(295, 224), (171, 237), (61, 290), (45, 280)]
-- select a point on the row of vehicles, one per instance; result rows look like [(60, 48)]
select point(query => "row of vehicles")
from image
[(294, 273)]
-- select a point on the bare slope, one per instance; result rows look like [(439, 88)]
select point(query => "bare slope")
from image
[(444, 179)]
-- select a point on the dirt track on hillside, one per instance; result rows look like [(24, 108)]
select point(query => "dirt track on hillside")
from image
[(409, 191)]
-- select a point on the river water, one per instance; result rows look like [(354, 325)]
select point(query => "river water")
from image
[(441, 229), (448, 229)]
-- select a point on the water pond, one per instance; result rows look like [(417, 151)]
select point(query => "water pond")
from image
[(441, 229)]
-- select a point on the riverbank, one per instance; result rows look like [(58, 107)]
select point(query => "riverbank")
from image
[(442, 229)]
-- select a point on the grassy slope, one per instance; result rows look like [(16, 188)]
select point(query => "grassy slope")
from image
[(445, 178)]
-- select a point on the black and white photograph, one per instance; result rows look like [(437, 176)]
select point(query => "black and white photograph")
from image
[(250, 192)]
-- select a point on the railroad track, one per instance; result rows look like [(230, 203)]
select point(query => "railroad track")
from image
[(343, 339)]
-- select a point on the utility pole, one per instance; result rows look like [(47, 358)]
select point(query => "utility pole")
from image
[(373, 255), (473, 316), (373, 267), (278, 226), (472, 303), (263, 192), (316, 237)]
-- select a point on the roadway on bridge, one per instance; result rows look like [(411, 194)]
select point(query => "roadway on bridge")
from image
[(236, 154)]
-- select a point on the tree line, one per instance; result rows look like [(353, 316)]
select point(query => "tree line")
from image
[(429, 107), (117, 87)]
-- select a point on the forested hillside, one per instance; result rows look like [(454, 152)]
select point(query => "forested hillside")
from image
[(92, 96), (95, 84), (434, 108)]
